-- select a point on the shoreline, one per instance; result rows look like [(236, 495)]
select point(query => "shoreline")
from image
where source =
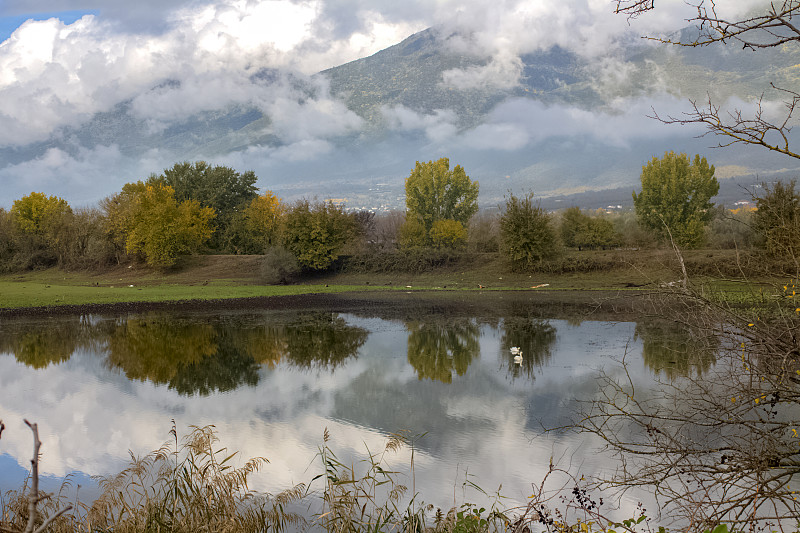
[(606, 301)]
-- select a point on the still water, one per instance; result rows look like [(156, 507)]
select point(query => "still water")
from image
[(271, 381)]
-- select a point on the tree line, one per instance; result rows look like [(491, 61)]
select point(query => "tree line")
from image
[(200, 208)]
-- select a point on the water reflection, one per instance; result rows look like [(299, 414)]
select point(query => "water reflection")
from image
[(188, 355), (535, 337), (321, 340), (114, 384), (439, 348), (675, 351), (41, 344)]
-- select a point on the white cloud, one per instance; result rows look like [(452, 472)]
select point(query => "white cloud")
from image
[(438, 126), (82, 178), (54, 75)]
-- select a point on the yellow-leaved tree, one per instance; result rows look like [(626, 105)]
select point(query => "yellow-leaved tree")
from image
[(263, 219), (435, 193), (160, 228), (43, 221)]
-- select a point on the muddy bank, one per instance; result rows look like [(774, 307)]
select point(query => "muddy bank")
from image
[(604, 304)]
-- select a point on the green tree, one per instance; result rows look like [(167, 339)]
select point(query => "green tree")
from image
[(160, 228), (579, 230), (219, 187), (526, 232), (434, 193), (437, 349), (316, 233), (777, 219), (675, 198)]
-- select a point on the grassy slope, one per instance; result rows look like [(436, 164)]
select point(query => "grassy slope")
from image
[(215, 277)]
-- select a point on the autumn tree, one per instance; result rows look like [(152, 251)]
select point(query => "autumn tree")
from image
[(258, 226), (160, 228), (527, 235), (316, 233), (434, 193), (675, 201), (777, 219), (221, 188), (42, 223)]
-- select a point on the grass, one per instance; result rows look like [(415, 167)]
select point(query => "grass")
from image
[(224, 277), (42, 294)]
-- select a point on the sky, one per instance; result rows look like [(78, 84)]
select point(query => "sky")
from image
[(63, 61)]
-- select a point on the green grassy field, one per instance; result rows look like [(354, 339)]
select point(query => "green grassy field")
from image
[(222, 277)]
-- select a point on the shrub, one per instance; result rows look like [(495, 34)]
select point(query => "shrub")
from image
[(278, 266), (526, 233), (448, 233)]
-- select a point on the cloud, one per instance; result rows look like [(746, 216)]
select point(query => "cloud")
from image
[(438, 126), (54, 75), (518, 123), (82, 177)]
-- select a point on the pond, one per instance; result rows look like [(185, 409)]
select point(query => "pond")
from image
[(272, 380)]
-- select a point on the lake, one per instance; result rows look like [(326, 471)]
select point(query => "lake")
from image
[(272, 380)]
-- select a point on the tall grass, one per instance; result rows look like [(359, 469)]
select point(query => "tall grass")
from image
[(192, 485)]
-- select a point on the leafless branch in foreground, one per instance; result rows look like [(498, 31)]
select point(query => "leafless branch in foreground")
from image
[(738, 129), (35, 496), (777, 26)]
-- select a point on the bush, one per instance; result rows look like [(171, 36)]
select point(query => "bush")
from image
[(317, 233), (526, 233), (408, 261), (278, 266), (777, 219), (448, 234)]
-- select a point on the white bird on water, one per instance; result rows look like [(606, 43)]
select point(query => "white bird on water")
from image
[(517, 354)]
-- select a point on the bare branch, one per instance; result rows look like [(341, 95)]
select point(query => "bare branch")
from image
[(634, 8), (34, 497), (777, 26), (739, 129)]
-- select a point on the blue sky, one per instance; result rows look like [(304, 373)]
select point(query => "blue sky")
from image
[(10, 23)]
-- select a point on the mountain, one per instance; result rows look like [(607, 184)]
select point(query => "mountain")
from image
[(551, 121)]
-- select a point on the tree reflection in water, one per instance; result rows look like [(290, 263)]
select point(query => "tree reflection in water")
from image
[(322, 340), (675, 350), (437, 347), (201, 358), (535, 337), (39, 344)]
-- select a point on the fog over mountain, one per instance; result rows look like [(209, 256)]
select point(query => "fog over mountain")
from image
[(526, 96)]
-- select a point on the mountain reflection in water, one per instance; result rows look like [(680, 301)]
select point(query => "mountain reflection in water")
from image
[(271, 381)]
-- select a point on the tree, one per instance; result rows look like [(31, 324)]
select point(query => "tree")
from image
[(44, 220), (258, 226), (118, 211), (774, 28), (222, 188), (316, 233), (719, 445), (579, 230), (675, 199), (448, 233), (434, 193), (160, 228), (526, 232), (777, 219)]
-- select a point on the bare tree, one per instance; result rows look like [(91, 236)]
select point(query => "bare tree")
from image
[(722, 446), (774, 28), (35, 523)]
